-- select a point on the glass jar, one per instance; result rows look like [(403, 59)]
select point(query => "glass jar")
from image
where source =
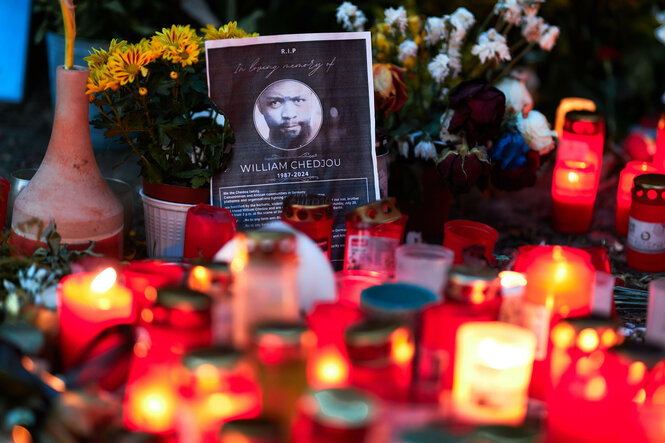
[(264, 282), (311, 214), (645, 245)]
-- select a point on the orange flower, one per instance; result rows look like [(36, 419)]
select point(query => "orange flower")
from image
[(390, 92)]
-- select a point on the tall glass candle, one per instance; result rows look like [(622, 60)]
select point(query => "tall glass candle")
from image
[(567, 105), (312, 215), (645, 245), (264, 282), (463, 237), (87, 305), (216, 385), (560, 284), (424, 265), (351, 283), (574, 189), (582, 139), (207, 229), (144, 277), (659, 156), (373, 232), (493, 363), (624, 192), (471, 295)]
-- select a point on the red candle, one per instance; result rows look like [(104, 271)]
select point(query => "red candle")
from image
[(207, 229), (4, 200), (624, 192), (582, 139), (87, 305), (574, 188), (645, 244), (144, 277), (560, 283), (461, 235), (313, 216)]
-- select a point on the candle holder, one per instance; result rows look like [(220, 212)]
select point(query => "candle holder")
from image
[(493, 363), (250, 430), (645, 245), (313, 216), (582, 139), (424, 265), (207, 229), (144, 277), (461, 236), (351, 283), (373, 232), (216, 385), (513, 285), (574, 188), (625, 190)]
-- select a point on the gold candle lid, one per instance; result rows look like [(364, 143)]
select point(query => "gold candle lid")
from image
[(377, 212), (472, 285), (219, 357), (648, 182), (182, 298), (250, 430), (307, 208), (270, 245)]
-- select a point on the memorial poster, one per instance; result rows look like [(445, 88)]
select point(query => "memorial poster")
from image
[(302, 112)]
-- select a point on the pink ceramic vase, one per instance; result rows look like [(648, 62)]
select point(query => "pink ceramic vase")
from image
[(68, 188)]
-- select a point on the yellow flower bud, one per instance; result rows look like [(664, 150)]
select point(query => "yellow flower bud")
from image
[(409, 63), (174, 75), (143, 91), (414, 24)]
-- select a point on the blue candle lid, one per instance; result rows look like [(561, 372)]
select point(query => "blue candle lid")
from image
[(396, 297)]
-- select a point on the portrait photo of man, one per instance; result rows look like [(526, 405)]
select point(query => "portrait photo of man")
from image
[(288, 114)]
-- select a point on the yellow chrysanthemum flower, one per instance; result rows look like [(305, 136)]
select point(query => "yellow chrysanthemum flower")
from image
[(229, 30), (126, 64), (99, 57), (179, 44), (99, 80), (152, 53)]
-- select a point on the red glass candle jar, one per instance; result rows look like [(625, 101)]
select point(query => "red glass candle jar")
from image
[(461, 236), (471, 294), (207, 229), (574, 188), (177, 322), (4, 200), (280, 351), (582, 139), (250, 430), (313, 216), (380, 352), (624, 192), (333, 416), (645, 246), (144, 277), (216, 385), (373, 232), (560, 284)]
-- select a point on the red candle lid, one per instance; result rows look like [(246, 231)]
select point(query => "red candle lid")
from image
[(266, 245), (307, 208), (649, 188), (377, 212), (584, 122)]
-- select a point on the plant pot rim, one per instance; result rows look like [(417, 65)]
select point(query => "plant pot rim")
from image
[(175, 193)]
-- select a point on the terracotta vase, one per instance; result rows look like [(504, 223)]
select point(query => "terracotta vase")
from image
[(69, 188)]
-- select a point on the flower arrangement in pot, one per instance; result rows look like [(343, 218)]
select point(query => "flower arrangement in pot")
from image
[(153, 94), (450, 100)]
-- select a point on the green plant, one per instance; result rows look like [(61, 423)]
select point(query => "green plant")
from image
[(153, 94)]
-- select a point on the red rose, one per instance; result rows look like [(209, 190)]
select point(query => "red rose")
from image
[(479, 109), (460, 172)]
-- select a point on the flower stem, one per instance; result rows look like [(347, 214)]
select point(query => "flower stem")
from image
[(68, 17)]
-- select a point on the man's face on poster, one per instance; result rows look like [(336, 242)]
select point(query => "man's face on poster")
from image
[(288, 107)]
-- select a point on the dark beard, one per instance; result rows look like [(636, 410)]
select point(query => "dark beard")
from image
[(281, 141)]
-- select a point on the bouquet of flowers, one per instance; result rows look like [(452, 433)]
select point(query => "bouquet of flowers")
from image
[(446, 91), (153, 94)]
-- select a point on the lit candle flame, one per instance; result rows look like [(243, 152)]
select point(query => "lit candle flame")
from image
[(573, 177), (402, 349), (500, 356), (104, 280), (330, 369)]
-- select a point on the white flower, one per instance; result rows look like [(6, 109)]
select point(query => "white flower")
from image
[(518, 98), (444, 135), (396, 18), (462, 19), (455, 62), (659, 16), (510, 10), (660, 33), (536, 132), (548, 38), (439, 67), (407, 49), (403, 146), (13, 304), (425, 149), (533, 27), (491, 46), (350, 17), (435, 29)]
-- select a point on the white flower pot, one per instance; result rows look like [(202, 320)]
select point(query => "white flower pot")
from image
[(164, 226)]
